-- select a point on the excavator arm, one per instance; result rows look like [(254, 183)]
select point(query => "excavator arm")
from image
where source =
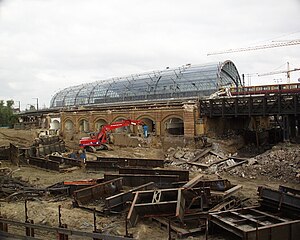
[(101, 137)]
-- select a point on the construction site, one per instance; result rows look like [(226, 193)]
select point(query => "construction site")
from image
[(183, 153)]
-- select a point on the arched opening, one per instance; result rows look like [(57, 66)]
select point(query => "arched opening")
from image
[(55, 125), (99, 123), (174, 126), (69, 125), (150, 124), (83, 125), (126, 129)]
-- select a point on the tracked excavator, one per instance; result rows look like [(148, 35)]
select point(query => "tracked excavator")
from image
[(99, 140)]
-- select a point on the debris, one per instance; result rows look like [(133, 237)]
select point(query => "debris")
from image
[(280, 163)]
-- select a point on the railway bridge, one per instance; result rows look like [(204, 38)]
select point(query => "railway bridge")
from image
[(283, 109)]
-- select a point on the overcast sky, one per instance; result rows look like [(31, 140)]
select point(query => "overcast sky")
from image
[(47, 45)]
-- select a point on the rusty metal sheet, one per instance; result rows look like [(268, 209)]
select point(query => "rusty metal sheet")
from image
[(101, 165), (183, 174), (286, 199), (4, 152), (161, 202), (134, 180), (98, 191), (67, 161), (14, 154), (43, 163)]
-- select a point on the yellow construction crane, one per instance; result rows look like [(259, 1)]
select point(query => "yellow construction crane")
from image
[(288, 71), (272, 45)]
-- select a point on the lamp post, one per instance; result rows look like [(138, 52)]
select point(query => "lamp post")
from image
[(19, 102), (37, 103)]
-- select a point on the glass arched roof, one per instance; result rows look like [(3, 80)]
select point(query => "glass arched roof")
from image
[(185, 81)]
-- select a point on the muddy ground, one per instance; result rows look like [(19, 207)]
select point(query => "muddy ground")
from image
[(45, 210)]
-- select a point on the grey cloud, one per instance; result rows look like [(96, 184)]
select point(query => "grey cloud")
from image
[(49, 45)]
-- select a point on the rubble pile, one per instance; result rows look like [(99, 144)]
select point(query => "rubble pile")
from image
[(280, 163), (197, 160)]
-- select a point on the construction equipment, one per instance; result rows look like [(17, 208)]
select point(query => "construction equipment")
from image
[(272, 45), (99, 140), (288, 71)]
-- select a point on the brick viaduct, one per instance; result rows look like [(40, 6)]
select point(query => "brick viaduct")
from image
[(163, 118)]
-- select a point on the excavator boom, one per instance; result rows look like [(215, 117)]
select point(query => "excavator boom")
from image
[(101, 137)]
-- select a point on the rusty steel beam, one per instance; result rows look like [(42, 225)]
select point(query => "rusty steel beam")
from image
[(217, 185), (181, 230), (248, 224), (162, 202), (133, 162), (98, 191), (77, 185), (227, 193), (183, 174), (289, 190), (134, 180), (43, 163), (119, 200), (101, 165), (65, 160)]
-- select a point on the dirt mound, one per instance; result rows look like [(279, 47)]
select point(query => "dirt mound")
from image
[(23, 138)]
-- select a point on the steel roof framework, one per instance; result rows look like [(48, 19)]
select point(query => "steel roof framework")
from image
[(185, 81)]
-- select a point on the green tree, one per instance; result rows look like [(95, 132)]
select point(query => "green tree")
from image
[(7, 117)]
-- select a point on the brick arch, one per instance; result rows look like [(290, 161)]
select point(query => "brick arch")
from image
[(146, 116), (79, 126), (123, 129), (64, 124), (95, 127), (118, 118), (151, 124), (165, 119)]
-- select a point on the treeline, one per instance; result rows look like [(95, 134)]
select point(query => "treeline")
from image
[(7, 117)]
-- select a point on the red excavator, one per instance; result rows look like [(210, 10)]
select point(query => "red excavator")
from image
[(99, 140)]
